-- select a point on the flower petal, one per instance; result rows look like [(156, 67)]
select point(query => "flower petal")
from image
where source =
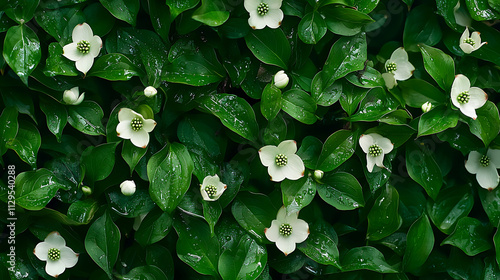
[(82, 32), (487, 177), (370, 162), (268, 154), (472, 163), (494, 156), (68, 257), (390, 81), (399, 56), (379, 161), (54, 268), (148, 125), (80, 99), (285, 244), (251, 5), (468, 110), (273, 18), (277, 173), (255, 20), (126, 114), (85, 63), (273, 233), (95, 46), (42, 250), (140, 138), (71, 52), (55, 240), (477, 97), (465, 35), (124, 130), (477, 39), (300, 231), (383, 142), (282, 216), (466, 48), (287, 147), (204, 194), (404, 71), (365, 141), (460, 84), (273, 4), (294, 168)]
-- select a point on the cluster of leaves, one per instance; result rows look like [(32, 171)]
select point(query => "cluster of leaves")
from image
[(422, 217)]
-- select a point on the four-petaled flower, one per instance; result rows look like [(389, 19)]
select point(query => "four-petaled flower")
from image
[(485, 168), (375, 147), (281, 161), (470, 43), (264, 12), (133, 126), (73, 96), (398, 68), (212, 188), (467, 98), (53, 250), (85, 47), (287, 230)]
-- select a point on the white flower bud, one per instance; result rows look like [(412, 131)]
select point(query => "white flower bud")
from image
[(128, 187), (281, 79), (72, 96), (150, 91), (426, 107), (86, 190), (318, 174)]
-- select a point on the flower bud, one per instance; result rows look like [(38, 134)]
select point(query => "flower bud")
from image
[(426, 107), (86, 190), (318, 174), (72, 96), (150, 91), (128, 187), (281, 79)]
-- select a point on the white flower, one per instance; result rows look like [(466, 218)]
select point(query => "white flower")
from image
[(53, 250), (462, 16), (128, 187), (375, 147), (470, 43), (287, 230), (212, 188), (426, 107), (281, 79), (73, 97), (264, 12), (85, 47), (150, 91), (467, 98), (282, 162), (86, 190), (485, 168), (389, 80), (133, 126), (399, 65)]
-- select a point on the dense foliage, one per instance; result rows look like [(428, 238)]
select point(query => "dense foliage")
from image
[(148, 142)]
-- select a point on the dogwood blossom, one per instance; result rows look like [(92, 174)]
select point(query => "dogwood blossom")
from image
[(127, 187), (264, 13), (281, 161), (281, 79), (375, 146), (54, 251), (84, 48), (150, 91), (398, 68), (287, 230), (133, 126), (485, 167), (73, 96), (212, 188), (465, 97), (470, 43)]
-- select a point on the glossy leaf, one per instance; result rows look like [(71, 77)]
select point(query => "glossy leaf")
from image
[(437, 120), (87, 118), (155, 226), (83, 211), (132, 154), (123, 10), (300, 105), (270, 103), (114, 67), (423, 169), (57, 64), (309, 151), (338, 148), (21, 11), (420, 241), (211, 13), (98, 161), (471, 236), (325, 95), (321, 245), (490, 201), (298, 194), (21, 50), (366, 258), (416, 92), (26, 143), (421, 27), (179, 6), (312, 28), (246, 261), (59, 23), (132, 206), (439, 65), (275, 52), (384, 219), (487, 124), (147, 272), (34, 189), (342, 191), (8, 127), (480, 10)]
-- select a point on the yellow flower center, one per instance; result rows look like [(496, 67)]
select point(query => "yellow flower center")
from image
[(54, 254), (83, 46), (463, 97), (211, 190), (136, 124), (285, 229), (281, 160), (391, 67), (263, 9), (374, 150), (484, 161)]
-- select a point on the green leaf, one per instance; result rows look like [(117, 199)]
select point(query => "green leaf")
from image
[(297, 194), (300, 105), (368, 78), (423, 169), (321, 245), (338, 148), (254, 213), (155, 226), (123, 10), (481, 10), (22, 102), (170, 176), (376, 104), (56, 114), (342, 191), (102, 243), (421, 27), (56, 64), (179, 6), (487, 124), (491, 204), (419, 244), (275, 52), (211, 12), (21, 11), (132, 154), (87, 118), (21, 51), (312, 28), (439, 65), (59, 23), (26, 143), (234, 112), (270, 103), (195, 246), (82, 211), (130, 206), (344, 20), (146, 272), (452, 204), (491, 271), (436, 120), (8, 127), (348, 54), (416, 92), (160, 15), (384, 219), (366, 258), (34, 189), (309, 151), (471, 236), (325, 95), (114, 67), (351, 97), (98, 161), (246, 261)]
